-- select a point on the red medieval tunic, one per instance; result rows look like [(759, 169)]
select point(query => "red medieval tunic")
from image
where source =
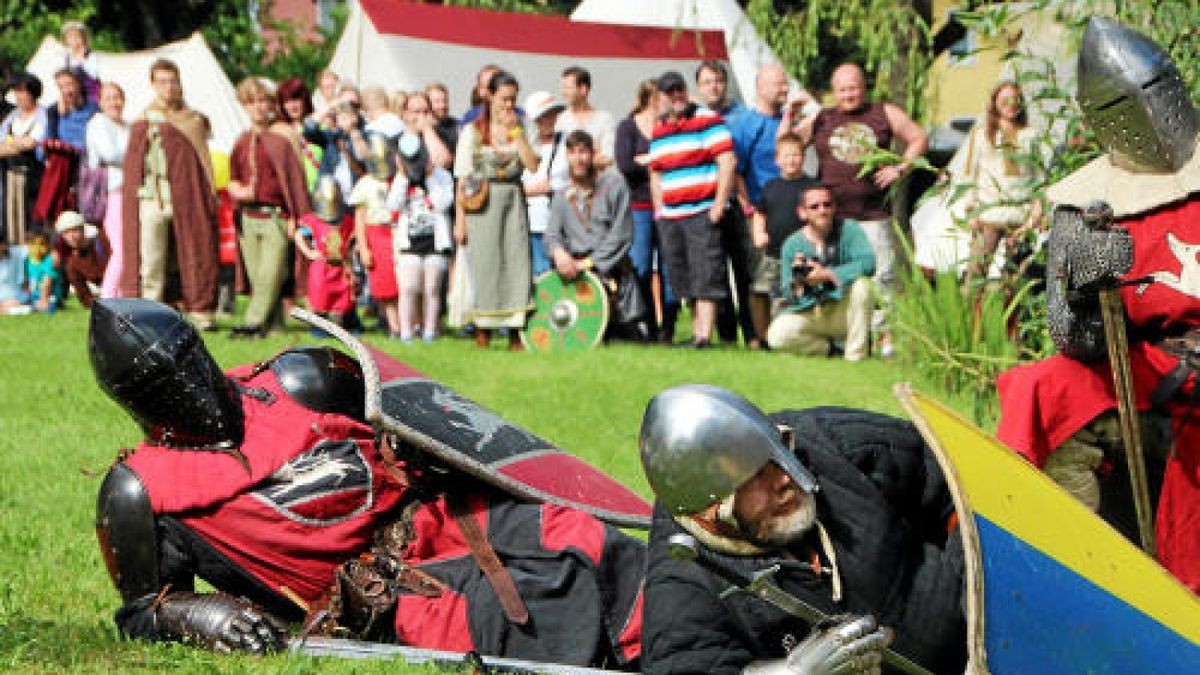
[(194, 204), (330, 288), (315, 492), (1045, 403)]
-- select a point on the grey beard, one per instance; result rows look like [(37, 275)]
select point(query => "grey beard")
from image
[(787, 529)]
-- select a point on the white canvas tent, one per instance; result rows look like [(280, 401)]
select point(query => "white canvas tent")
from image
[(205, 86), (402, 45), (747, 51)]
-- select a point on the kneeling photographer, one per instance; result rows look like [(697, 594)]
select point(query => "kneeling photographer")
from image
[(826, 283)]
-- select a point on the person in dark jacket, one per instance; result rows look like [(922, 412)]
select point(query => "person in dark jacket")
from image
[(849, 504)]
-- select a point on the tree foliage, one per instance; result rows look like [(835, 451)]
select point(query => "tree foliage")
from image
[(235, 35), (25, 23), (890, 38)]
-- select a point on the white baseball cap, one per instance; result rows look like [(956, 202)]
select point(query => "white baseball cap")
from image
[(541, 102), (68, 220)]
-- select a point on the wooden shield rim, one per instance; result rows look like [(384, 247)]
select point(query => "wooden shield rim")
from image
[(595, 281)]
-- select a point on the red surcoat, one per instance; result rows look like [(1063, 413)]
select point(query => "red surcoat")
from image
[(315, 492), (1045, 403)]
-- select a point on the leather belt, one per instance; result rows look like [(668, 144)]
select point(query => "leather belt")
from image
[(263, 211), (485, 556)]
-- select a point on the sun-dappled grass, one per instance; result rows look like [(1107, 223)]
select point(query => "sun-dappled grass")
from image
[(58, 434)]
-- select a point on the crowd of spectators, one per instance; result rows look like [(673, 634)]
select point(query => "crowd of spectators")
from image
[(358, 203)]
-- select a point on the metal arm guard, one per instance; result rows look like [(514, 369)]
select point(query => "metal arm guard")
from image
[(128, 534), (219, 622), (322, 379), (1085, 254)]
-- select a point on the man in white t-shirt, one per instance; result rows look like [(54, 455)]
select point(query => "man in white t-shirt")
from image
[(576, 88)]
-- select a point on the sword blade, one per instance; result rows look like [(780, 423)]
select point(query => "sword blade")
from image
[(1113, 312), (356, 649)]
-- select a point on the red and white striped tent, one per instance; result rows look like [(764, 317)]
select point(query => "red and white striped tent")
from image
[(406, 45)]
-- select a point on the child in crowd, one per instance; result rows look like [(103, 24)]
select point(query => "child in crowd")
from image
[(45, 283), (83, 255), (421, 195), (373, 228), (81, 60), (775, 219), (324, 238), (14, 293)]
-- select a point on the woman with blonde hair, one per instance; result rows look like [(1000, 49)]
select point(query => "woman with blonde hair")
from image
[(396, 102), (1000, 169), (378, 113)]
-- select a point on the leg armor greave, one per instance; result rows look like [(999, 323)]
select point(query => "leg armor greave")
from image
[(125, 525)]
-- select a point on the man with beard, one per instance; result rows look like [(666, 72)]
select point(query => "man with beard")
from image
[(170, 214), (855, 515), (591, 224)]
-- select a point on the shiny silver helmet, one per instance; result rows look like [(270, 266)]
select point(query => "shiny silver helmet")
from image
[(381, 156), (327, 199), (1133, 97), (700, 443)]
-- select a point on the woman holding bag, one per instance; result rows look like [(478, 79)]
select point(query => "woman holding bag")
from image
[(490, 214)]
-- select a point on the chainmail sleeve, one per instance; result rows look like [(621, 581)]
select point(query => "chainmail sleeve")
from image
[(1085, 254)]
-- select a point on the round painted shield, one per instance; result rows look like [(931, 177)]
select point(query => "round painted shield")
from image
[(568, 316)]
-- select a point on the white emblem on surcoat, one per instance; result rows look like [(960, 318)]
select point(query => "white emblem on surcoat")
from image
[(1188, 279)]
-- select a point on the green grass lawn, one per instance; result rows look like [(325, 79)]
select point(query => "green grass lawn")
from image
[(59, 433)]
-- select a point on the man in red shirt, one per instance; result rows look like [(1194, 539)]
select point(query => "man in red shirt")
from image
[(267, 182)]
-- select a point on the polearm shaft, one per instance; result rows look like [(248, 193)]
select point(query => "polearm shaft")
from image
[(355, 649), (685, 547), (1113, 312)]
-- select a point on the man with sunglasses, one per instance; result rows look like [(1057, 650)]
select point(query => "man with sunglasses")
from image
[(826, 282)]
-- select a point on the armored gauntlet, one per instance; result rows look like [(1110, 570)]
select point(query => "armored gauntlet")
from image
[(1086, 254)]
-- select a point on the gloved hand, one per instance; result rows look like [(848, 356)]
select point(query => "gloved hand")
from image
[(219, 622), (1086, 253), (852, 645)]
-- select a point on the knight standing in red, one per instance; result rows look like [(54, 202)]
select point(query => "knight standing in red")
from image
[(1129, 220)]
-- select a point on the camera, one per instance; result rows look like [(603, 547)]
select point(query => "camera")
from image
[(801, 270)]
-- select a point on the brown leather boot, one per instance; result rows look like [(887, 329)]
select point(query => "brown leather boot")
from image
[(514, 341), (483, 338)]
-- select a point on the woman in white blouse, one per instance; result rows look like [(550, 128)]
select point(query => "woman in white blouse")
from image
[(107, 136), (1001, 169)]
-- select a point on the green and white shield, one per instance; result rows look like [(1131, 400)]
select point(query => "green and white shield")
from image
[(569, 316)]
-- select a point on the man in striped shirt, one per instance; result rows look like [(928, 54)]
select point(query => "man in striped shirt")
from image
[(691, 181)]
